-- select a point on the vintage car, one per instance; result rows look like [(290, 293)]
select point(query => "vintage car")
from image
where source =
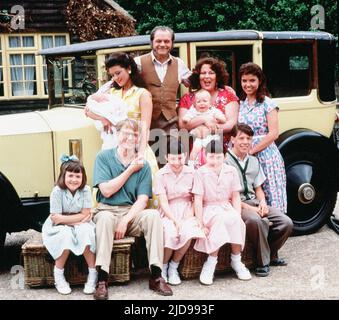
[(300, 70)]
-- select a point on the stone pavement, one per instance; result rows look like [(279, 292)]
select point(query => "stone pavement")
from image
[(312, 273)]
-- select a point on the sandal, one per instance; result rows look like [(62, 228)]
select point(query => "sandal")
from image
[(278, 262), (262, 271)]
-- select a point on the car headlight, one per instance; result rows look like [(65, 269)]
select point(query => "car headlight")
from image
[(75, 147)]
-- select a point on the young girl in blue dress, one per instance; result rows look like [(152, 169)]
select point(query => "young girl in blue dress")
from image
[(69, 226), (261, 113)]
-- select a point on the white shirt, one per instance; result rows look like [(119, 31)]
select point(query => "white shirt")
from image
[(242, 162), (161, 68)]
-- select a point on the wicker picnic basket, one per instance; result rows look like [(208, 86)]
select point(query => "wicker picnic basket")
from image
[(38, 264), (191, 265)]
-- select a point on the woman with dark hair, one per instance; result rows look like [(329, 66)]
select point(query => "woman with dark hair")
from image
[(210, 74), (261, 113), (130, 88)]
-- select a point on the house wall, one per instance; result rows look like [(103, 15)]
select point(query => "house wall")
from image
[(41, 19), (40, 16)]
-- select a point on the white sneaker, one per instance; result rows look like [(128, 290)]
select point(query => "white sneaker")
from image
[(61, 284), (241, 271), (173, 277), (207, 273), (164, 274), (90, 285)]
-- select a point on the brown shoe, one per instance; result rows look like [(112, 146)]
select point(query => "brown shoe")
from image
[(160, 286), (101, 291)]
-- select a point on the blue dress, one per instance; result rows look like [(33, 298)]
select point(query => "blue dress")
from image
[(272, 163), (58, 238)]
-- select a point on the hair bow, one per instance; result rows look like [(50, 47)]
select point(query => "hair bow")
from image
[(65, 158)]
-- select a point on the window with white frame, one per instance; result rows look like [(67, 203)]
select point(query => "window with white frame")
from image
[(2, 92), (22, 65), (23, 73)]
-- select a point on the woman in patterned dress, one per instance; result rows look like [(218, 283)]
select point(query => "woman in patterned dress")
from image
[(210, 74), (261, 113)]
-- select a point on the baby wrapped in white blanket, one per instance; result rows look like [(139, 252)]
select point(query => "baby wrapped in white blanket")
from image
[(113, 109)]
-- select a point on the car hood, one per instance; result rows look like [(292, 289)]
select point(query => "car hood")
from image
[(58, 119), (31, 145)]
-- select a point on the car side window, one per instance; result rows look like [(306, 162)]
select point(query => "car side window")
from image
[(288, 68), (233, 56), (326, 66)]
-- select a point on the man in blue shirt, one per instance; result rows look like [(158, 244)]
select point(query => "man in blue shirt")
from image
[(125, 184)]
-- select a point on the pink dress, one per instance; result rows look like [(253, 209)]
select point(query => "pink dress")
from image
[(224, 223), (178, 191)]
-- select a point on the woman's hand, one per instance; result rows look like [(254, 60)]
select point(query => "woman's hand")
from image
[(211, 124), (56, 218), (107, 125)]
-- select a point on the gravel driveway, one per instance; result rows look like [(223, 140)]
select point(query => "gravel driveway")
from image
[(312, 273)]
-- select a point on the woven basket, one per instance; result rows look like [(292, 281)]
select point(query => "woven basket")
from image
[(38, 264), (191, 265)]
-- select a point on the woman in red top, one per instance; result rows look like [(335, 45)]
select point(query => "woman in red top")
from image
[(210, 74)]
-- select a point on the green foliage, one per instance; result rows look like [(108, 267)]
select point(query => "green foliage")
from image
[(263, 15), (4, 16), (192, 15)]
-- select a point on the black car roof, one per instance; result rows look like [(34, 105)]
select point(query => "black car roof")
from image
[(92, 46)]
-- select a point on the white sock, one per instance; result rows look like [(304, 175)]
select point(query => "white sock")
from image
[(173, 265), (92, 270), (236, 257), (58, 271), (164, 267), (212, 260)]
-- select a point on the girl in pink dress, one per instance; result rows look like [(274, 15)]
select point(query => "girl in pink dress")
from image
[(173, 186), (217, 207)]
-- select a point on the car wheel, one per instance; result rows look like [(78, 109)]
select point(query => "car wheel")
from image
[(311, 192)]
